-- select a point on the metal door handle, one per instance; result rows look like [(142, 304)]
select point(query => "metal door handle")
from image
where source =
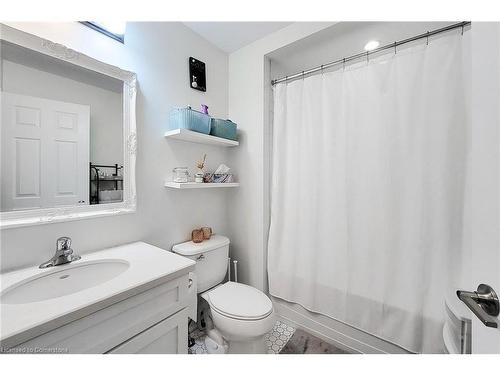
[(483, 303)]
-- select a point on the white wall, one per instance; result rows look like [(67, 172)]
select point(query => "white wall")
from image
[(482, 210), (481, 258), (106, 106), (158, 53)]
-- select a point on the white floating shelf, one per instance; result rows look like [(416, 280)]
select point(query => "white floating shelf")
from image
[(191, 136), (199, 185)]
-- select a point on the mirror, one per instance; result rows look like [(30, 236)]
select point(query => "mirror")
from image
[(67, 133)]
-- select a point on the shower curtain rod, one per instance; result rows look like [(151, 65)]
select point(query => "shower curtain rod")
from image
[(368, 53)]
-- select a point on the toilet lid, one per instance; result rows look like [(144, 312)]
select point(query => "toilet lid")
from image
[(240, 301)]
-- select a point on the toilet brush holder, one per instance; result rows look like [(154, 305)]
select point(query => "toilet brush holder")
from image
[(235, 264)]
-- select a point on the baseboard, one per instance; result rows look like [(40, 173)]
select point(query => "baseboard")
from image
[(333, 331)]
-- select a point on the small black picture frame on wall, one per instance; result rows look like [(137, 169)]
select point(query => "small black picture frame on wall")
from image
[(197, 77)]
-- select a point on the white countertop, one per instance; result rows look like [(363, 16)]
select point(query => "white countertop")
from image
[(149, 266)]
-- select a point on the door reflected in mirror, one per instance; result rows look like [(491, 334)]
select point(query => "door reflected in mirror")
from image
[(61, 133)]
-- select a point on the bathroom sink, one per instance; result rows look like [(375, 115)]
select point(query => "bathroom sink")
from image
[(35, 301), (61, 282)]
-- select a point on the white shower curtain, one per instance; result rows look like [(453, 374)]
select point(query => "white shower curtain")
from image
[(367, 191)]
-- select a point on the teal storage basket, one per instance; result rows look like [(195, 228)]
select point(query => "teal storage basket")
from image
[(223, 129), (187, 118)]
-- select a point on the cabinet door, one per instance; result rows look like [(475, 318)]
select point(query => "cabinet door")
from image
[(109, 327), (166, 337)]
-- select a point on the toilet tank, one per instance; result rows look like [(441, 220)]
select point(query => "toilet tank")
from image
[(210, 257)]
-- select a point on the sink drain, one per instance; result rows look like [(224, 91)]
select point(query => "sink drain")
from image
[(64, 276)]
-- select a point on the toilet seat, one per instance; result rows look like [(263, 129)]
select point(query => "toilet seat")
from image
[(239, 301)]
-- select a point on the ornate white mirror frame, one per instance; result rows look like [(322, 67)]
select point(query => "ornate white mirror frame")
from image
[(67, 213)]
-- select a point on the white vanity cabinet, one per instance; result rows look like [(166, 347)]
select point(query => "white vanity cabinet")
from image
[(152, 321), (147, 316), (168, 336)]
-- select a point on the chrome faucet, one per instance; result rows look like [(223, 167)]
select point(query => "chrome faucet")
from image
[(63, 255)]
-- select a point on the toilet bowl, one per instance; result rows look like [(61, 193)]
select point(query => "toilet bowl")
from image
[(241, 314)]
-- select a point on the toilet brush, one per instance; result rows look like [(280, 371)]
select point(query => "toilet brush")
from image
[(228, 269), (235, 262)]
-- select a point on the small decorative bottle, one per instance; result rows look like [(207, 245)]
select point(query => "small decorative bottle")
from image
[(198, 177)]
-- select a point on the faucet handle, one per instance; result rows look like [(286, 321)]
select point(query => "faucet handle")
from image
[(64, 253), (63, 243)]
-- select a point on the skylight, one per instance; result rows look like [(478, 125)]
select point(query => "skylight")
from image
[(112, 29)]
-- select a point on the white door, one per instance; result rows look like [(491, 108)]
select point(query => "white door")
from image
[(45, 153), (483, 223)]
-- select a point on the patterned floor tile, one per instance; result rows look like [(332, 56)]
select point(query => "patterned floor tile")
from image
[(275, 340)]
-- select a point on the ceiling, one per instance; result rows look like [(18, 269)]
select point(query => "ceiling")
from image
[(231, 36)]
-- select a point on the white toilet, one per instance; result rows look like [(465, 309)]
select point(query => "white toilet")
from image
[(242, 315)]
